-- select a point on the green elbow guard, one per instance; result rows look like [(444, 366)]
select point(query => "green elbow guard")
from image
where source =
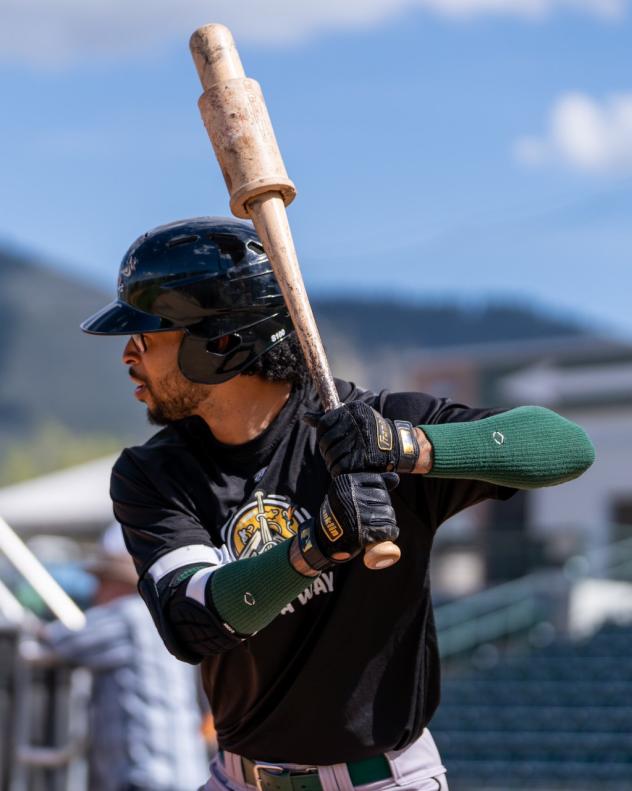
[(524, 448)]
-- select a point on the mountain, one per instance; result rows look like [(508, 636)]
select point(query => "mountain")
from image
[(50, 372), (379, 323)]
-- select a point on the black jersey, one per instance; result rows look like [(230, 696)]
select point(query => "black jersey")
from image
[(349, 669)]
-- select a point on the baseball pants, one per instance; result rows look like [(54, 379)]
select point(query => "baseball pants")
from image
[(416, 768)]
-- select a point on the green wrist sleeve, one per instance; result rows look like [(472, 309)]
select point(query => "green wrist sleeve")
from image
[(248, 594), (524, 448)]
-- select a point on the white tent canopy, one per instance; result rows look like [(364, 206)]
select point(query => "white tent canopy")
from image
[(71, 501)]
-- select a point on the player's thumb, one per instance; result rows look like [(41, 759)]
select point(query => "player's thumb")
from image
[(391, 480), (312, 418)]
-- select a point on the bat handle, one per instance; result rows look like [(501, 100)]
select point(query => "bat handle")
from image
[(267, 212), (382, 555), (376, 556)]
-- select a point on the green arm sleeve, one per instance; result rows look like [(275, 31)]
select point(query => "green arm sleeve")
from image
[(248, 594), (524, 448)]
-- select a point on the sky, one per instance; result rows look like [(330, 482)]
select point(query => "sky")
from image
[(442, 149)]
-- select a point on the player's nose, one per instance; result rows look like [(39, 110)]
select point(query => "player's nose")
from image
[(131, 354)]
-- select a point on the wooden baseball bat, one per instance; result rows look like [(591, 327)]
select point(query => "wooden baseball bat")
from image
[(237, 121)]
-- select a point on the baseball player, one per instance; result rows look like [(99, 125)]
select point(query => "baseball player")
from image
[(247, 515)]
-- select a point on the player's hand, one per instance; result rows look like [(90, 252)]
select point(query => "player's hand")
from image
[(356, 512), (355, 437)]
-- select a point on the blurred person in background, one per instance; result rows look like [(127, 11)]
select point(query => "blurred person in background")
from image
[(145, 719)]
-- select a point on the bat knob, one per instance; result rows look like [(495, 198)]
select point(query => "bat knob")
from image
[(382, 555)]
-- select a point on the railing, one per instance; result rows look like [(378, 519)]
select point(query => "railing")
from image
[(11, 610), (498, 613), (9, 638), (22, 559), (44, 711), (508, 611), (613, 561), (43, 705)]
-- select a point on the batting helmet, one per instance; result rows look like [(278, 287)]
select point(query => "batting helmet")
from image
[(210, 277)]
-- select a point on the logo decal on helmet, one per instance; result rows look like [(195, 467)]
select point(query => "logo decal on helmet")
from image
[(125, 272)]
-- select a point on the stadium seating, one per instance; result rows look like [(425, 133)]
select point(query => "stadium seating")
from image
[(556, 718)]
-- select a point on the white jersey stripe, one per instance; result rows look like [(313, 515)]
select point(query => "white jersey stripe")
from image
[(183, 556), (196, 589)]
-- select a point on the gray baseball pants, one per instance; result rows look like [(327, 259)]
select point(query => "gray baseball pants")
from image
[(416, 768)]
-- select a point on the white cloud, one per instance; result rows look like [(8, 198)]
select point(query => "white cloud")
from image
[(612, 9), (584, 134), (44, 33)]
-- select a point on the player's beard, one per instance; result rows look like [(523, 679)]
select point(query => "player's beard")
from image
[(173, 397)]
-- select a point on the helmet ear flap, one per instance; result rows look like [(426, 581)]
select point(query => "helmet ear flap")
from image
[(213, 361), (200, 362), (224, 344)]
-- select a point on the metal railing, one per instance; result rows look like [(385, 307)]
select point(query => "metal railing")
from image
[(44, 714), (43, 704), (511, 610), (499, 613), (38, 577), (613, 561)]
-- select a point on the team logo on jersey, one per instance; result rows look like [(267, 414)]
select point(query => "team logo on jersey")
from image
[(262, 523)]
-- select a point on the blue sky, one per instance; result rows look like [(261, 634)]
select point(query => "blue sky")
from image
[(466, 148)]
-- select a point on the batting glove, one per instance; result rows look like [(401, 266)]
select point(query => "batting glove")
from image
[(356, 512), (355, 437)]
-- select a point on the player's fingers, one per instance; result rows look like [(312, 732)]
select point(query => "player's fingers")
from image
[(375, 496), (330, 436), (312, 418), (323, 422), (380, 527), (344, 462), (336, 455), (391, 479), (370, 480), (341, 467), (381, 513)]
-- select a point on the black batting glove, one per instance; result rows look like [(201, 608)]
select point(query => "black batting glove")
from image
[(355, 437), (356, 512)]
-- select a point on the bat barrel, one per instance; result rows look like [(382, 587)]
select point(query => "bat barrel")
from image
[(237, 121)]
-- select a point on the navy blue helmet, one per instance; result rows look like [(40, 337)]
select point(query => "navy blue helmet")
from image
[(210, 277)]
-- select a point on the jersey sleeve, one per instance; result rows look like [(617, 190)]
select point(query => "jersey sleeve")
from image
[(196, 611), (440, 498), (168, 542), (160, 523)]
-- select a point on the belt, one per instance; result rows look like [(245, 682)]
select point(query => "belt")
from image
[(274, 777)]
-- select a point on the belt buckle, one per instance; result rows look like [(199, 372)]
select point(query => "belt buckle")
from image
[(272, 768)]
